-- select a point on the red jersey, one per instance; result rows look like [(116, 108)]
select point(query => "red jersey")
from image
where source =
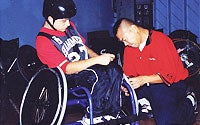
[(158, 57), (47, 51)]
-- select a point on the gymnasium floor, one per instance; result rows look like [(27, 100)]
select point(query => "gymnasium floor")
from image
[(78, 115), (10, 115)]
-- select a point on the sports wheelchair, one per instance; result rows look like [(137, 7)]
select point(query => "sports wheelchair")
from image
[(188, 49), (47, 96)]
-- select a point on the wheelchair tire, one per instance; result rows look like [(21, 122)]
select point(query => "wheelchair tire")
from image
[(189, 53), (134, 100), (45, 98)]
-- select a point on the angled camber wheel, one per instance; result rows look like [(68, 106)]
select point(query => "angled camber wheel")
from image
[(27, 61), (134, 100), (133, 97), (189, 53), (45, 98)]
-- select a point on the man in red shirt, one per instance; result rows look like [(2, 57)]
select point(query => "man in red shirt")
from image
[(156, 72), (60, 44)]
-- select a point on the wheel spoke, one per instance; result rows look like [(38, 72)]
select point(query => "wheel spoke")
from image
[(41, 105)]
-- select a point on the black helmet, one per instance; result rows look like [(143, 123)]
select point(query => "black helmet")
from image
[(59, 9)]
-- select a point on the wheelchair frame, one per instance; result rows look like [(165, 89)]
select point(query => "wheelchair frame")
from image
[(62, 89)]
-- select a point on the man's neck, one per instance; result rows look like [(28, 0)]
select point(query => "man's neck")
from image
[(145, 35)]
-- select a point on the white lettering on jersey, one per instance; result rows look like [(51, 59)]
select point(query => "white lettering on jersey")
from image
[(68, 44)]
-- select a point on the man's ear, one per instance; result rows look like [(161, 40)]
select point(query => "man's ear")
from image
[(133, 28)]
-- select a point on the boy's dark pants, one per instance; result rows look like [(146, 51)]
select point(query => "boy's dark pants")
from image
[(104, 82)]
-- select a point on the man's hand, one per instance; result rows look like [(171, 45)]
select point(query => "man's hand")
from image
[(125, 90), (135, 83), (138, 81)]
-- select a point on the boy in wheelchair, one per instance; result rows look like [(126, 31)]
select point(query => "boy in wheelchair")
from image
[(60, 44)]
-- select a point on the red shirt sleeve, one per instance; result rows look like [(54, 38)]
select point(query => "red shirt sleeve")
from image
[(129, 66), (48, 53), (170, 65)]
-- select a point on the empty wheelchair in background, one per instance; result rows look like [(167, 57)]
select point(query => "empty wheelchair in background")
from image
[(28, 62), (46, 97), (188, 49), (189, 53)]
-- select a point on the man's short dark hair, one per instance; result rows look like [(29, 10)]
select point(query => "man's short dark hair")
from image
[(118, 23)]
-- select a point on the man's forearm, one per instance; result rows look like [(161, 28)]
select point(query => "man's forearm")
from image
[(153, 79)]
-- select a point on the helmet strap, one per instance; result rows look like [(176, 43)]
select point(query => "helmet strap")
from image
[(51, 24)]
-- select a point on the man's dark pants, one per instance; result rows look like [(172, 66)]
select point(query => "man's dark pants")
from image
[(169, 103)]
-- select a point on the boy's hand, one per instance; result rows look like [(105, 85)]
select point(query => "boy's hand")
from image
[(105, 58)]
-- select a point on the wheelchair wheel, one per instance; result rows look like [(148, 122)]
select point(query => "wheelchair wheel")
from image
[(134, 100), (45, 98), (189, 53)]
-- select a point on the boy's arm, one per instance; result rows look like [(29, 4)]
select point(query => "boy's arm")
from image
[(91, 52)]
